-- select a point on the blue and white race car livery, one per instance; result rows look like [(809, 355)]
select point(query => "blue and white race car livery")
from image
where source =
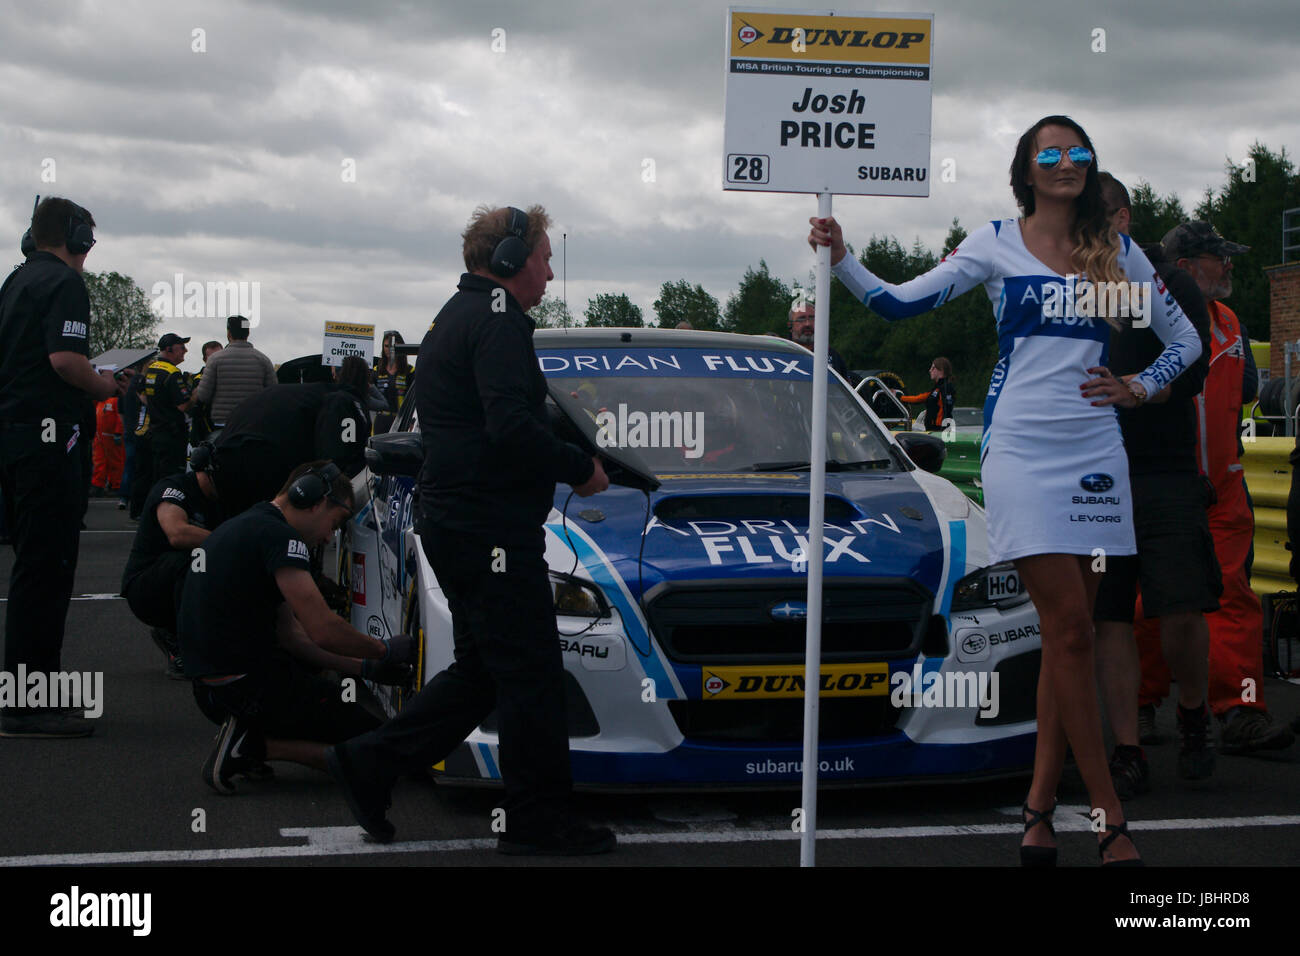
[(682, 610)]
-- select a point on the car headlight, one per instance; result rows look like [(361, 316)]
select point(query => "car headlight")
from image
[(998, 585), (577, 598)]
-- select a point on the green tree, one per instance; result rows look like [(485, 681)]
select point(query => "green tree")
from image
[(551, 313), (679, 302), (1153, 215), (1248, 209), (963, 329), (760, 305), (120, 317), (613, 311)]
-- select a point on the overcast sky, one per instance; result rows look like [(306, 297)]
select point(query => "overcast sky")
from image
[(229, 164)]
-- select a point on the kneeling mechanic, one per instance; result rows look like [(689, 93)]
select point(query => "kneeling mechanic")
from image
[(253, 627)]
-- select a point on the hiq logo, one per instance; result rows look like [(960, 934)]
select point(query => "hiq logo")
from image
[(1096, 482)]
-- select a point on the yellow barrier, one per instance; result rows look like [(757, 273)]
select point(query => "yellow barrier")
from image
[(1268, 476)]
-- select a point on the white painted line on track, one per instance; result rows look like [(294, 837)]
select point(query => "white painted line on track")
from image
[(348, 841)]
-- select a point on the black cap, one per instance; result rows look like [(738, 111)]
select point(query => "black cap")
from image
[(1198, 238), (170, 339)]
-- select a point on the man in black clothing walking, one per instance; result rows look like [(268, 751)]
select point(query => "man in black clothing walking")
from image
[(488, 483)]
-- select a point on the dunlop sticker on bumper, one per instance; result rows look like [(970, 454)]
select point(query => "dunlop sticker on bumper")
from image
[(774, 680)]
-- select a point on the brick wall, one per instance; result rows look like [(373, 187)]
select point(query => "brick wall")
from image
[(1284, 312)]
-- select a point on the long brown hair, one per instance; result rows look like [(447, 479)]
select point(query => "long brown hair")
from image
[(1096, 244), (393, 338), (944, 366)]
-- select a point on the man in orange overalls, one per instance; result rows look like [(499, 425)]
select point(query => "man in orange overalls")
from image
[(110, 456), (1237, 628)]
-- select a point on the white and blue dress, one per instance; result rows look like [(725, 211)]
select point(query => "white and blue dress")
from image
[(1053, 466)]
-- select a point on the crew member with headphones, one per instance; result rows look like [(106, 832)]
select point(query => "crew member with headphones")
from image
[(488, 482), (46, 379), (253, 625), (180, 512)]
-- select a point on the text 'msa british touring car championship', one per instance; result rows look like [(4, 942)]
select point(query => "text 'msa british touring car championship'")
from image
[(817, 102), (681, 611)]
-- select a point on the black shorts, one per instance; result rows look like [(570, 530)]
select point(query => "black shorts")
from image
[(286, 701), (1175, 563)]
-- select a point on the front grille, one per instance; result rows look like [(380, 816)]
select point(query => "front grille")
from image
[(782, 720), (721, 623)]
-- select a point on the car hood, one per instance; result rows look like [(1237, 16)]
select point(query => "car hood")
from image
[(878, 525)]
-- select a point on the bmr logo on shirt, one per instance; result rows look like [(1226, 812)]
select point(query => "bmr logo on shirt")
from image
[(298, 549), (77, 329)]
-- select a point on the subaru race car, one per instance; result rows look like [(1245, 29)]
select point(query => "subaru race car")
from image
[(681, 592)]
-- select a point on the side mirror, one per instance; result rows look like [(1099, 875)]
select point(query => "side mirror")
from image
[(926, 450), (395, 453)]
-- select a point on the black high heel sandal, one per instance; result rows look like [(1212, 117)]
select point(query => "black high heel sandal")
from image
[(1038, 855), (1119, 831)]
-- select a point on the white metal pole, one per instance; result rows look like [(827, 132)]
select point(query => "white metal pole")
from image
[(816, 532)]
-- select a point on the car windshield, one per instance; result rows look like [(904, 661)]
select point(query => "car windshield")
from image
[(690, 411)]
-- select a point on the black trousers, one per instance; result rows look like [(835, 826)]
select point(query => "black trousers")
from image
[(154, 593), (142, 478), (168, 454), (44, 493), (285, 700), (507, 657)]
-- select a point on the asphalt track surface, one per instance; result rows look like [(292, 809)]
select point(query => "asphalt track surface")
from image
[(131, 794)]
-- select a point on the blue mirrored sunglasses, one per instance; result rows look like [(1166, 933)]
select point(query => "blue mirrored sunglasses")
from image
[(1080, 157)]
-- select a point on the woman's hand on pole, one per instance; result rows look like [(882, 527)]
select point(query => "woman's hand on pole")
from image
[(827, 232)]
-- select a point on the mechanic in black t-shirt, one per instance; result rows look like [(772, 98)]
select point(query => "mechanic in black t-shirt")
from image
[(45, 380), (167, 398), (272, 432), (179, 514), (251, 617)]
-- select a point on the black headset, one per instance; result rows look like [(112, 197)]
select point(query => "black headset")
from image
[(78, 237), (313, 487), (511, 252), (28, 244)]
